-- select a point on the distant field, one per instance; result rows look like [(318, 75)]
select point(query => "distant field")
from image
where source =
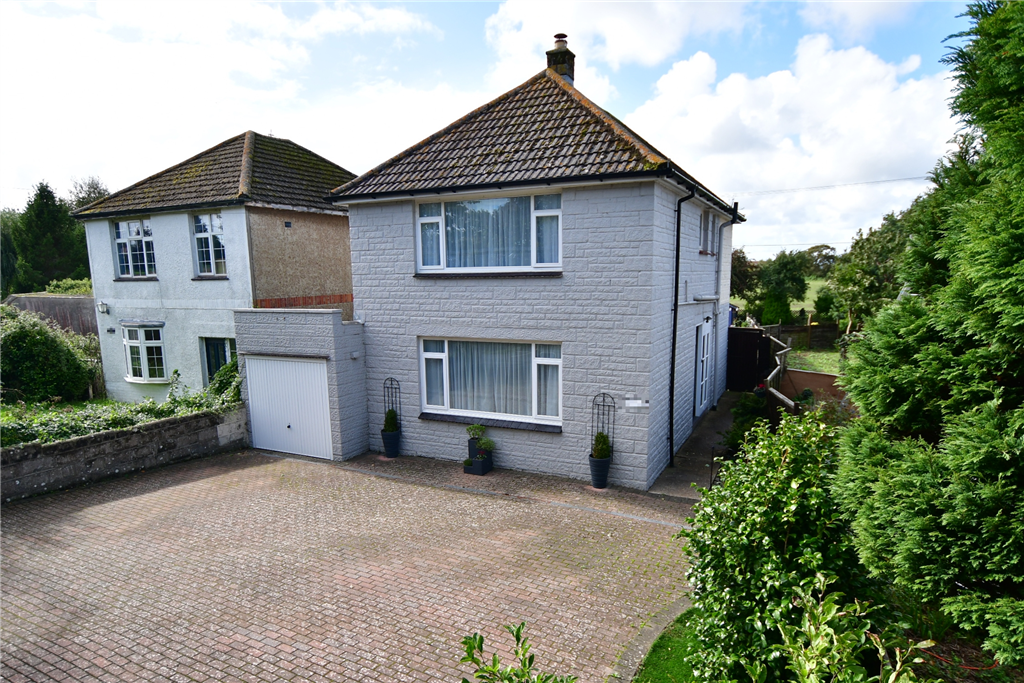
[(807, 304)]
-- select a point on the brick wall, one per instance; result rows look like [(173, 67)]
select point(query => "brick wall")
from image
[(32, 469)]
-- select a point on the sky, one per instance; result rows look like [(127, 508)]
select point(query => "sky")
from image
[(796, 110)]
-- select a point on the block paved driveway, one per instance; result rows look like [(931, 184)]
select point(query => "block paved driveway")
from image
[(254, 567)]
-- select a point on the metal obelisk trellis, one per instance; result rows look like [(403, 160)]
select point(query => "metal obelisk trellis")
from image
[(602, 418), (393, 397)]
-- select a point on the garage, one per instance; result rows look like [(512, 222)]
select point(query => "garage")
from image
[(288, 405)]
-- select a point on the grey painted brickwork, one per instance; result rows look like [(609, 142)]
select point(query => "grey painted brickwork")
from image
[(315, 332), (611, 311), (35, 468)]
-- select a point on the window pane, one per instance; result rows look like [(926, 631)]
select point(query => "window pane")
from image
[(118, 234), (123, 265), (136, 361), (218, 255), (549, 350), (215, 223), (547, 201), (155, 361), (435, 381), (150, 258), (547, 239), (152, 335), (146, 230), (203, 253), (133, 229), (488, 233), (200, 224), (547, 390), (430, 239), (433, 345), (490, 376), (430, 210), (138, 263), (133, 334)]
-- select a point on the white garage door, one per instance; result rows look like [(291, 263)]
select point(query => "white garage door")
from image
[(288, 405)]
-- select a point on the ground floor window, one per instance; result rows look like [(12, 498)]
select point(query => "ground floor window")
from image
[(144, 352), (217, 352), (492, 378)]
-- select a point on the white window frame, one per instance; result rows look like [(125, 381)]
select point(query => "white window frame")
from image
[(140, 341), (197, 237), (708, 229), (121, 231), (539, 419), (534, 213)]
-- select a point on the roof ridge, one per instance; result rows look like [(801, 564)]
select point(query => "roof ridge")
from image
[(427, 140), (304, 149), (618, 127), (245, 177), (157, 174)]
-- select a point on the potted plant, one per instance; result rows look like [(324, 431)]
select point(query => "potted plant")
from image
[(391, 434), (482, 462), (600, 460), (475, 432)]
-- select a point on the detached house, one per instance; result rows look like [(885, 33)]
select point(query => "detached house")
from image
[(242, 225), (529, 257)]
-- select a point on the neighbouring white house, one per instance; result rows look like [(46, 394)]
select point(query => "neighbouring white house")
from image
[(535, 267), (242, 225)]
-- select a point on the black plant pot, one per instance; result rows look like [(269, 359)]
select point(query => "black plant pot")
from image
[(472, 448), (599, 472), (480, 466), (391, 440)]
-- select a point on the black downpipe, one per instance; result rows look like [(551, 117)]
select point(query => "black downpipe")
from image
[(675, 331)]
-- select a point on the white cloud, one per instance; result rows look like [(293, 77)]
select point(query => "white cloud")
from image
[(854, 19), (122, 90), (835, 117), (611, 34)]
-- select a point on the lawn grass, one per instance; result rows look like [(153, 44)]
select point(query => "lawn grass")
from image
[(815, 360), (667, 659)]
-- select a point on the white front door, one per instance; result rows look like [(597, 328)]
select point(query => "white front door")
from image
[(288, 405), (702, 372)]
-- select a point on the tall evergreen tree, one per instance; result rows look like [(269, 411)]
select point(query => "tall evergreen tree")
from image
[(49, 242)]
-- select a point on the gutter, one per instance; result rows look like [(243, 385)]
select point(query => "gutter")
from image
[(675, 329)]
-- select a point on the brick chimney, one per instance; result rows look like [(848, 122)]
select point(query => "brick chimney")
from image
[(562, 59)]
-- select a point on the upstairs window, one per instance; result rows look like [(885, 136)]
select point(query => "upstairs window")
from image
[(144, 352), (133, 241), (209, 241), (708, 232), (505, 234)]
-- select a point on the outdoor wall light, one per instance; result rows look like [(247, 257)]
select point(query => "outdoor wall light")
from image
[(102, 307)]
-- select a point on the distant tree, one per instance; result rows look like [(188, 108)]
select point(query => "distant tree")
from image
[(820, 260), (744, 275), (8, 253), (85, 192), (779, 281), (49, 242)]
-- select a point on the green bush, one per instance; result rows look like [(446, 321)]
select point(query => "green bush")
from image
[(769, 527), (748, 410), (776, 310), (69, 286), (602, 446), (520, 672), (39, 360), (824, 303), (391, 421)]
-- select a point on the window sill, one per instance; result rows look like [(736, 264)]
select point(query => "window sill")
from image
[(136, 380), (491, 422), (198, 278), (462, 276), (707, 253), (148, 278)]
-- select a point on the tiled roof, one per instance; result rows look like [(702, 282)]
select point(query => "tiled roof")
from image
[(544, 130), (247, 168)]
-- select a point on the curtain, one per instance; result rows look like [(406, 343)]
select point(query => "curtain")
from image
[(547, 239), (492, 377), (488, 233), (547, 390)]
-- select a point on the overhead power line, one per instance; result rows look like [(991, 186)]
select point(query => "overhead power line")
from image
[(798, 244), (823, 187)]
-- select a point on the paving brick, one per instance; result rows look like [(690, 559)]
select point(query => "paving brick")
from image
[(254, 567)]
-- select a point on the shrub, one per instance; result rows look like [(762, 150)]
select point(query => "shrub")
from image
[(40, 360), (770, 526), (776, 310), (748, 410), (475, 431), (824, 303), (484, 444), (522, 672), (391, 421), (69, 286), (602, 446)]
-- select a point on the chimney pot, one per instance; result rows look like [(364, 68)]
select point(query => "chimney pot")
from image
[(561, 59)]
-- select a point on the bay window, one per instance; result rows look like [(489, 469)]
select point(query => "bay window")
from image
[(133, 242), (492, 379), (144, 352), (505, 234)]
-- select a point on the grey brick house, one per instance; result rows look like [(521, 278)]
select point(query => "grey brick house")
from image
[(531, 255)]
